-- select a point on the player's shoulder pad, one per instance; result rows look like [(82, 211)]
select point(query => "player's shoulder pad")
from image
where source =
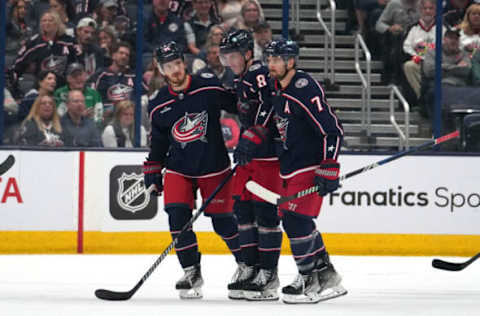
[(205, 79), (257, 68), (304, 87)]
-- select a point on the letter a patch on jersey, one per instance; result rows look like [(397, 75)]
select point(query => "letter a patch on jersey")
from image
[(286, 109)]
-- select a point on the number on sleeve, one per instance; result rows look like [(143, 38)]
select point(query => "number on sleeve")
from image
[(261, 81), (317, 101)]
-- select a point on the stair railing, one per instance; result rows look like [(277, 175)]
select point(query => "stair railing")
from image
[(329, 41), (366, 82), (403, 136)]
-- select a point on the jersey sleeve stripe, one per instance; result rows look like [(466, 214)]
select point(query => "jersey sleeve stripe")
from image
[(324, 101), (305, 108), (158, 107), (206, 88)]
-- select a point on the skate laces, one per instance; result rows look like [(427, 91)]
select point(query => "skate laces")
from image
[(299, 282), (189, 274), (243, 272)]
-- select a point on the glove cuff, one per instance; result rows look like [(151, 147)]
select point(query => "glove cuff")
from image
[(152, 167), (328, 169)]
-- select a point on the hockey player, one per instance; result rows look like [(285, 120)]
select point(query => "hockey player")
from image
[(187, 141), (260, 234), (312, 136)]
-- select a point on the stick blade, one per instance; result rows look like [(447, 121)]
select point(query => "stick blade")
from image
[(7, 164), (449, 266), (262, 192), (112, 295)]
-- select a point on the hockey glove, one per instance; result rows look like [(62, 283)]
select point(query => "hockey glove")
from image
[(152, 174), (326, 177), (249, 144)]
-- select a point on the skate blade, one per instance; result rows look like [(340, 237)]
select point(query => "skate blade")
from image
[(268, 295), (236, 295), (332, 292), (191, 294), (311, 298)]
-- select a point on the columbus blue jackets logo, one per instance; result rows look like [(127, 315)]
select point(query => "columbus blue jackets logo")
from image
[(56, 64), (131, 194), (119, 92), (282, 127), (191, 127)]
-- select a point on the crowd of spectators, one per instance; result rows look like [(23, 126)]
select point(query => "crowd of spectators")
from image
[(71, 64), (402, 34), (55, 47)]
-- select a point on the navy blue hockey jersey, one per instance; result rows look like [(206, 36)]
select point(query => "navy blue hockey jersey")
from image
[(255, 102), (186, 131), (309, 129)]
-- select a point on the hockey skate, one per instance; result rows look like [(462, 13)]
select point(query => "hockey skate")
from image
[(190, 285), (303, 290), (329, 283), (242, 275), (263, 287)]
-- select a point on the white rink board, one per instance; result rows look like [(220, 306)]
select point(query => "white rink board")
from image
[(430, 189), (415, 194), (46, 192)]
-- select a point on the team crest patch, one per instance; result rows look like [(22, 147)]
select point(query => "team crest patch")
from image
[(191, 127), (207, 75), (302, 82), (254, 67), (119, 92), (173, 27)]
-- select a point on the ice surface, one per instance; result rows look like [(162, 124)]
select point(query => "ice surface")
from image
[(64, 285)]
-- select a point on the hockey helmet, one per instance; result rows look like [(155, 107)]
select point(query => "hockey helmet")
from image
[(282, 47), (167, 52), (236, 41)]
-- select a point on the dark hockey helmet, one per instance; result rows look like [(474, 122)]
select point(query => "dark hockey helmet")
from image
[(236, 41), (282, 47), (167, 52)]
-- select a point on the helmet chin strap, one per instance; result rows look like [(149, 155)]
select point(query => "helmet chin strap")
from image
[(245, 68)]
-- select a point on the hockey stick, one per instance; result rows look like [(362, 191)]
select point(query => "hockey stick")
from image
[(451, 266), (122, 296), (7, 164), (277, 199)]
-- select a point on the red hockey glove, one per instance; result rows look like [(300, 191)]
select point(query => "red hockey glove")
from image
[(152, 175), (326, 177), (250, 143)]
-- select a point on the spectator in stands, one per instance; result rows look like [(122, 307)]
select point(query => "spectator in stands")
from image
[(224, 74), (19, 29), (10, 108), (215, 35), (121, 131), (83, 8), (50, 50), (420, 39), (88, 52), (476, 68), (66, 12), (76, 80), (229, 11), (107, 41), (251, 16), (197, 29), (42, 126), (470, 29), (393, 23), (105, 12), (78, 129), (456, 66), (45, 84), (454, 11), (262, 33), (116, 82), (163, 26), (38, 8), (367, 13)]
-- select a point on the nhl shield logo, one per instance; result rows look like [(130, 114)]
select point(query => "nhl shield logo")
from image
[(132, 195), (129, 200)]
